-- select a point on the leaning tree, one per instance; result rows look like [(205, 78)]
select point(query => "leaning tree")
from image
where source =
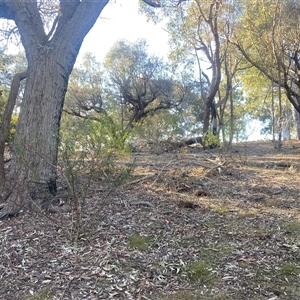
[(51, 52)]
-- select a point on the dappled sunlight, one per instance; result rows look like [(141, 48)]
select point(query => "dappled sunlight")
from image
[(216, 222)]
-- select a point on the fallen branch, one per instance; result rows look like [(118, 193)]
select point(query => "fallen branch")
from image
[(139, 180)]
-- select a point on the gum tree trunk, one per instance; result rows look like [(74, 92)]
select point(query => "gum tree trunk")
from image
[(32, 178)]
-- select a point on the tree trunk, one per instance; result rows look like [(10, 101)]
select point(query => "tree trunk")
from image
[(297, 123), (35, 149), (206, 117), (6, 119), (32, 178)]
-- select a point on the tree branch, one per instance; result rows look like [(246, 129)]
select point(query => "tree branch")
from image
[(152, 3), (28, 20), (157, 3)]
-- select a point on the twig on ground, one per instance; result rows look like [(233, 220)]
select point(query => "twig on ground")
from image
[(145, 203), (139, 180)]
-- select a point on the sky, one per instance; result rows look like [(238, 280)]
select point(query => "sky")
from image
[(121, 20)]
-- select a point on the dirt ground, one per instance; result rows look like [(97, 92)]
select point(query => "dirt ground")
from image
[(188, 224)]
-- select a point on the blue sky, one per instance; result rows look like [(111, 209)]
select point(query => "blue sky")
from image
[(121, 20)]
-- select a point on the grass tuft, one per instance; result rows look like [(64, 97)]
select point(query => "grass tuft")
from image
[(140, 242), (200, 271)]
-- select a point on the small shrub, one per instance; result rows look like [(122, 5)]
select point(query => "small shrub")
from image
[(211, 141), (200, 271)]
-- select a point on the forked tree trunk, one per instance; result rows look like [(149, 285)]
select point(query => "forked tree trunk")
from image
[(32, 178)]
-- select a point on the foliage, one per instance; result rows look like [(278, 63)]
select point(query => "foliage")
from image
[(91, 145), (267, 35), (210, 140), (86, 88), (90, 152), (162, 101), (200, 271), (141, 82), (2, 103), (13, 126), (161, 126)]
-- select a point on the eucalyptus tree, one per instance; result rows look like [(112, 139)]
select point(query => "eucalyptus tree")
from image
[(89, 100), (199, 32), (51, 33), (141, 82), (86, 88), (195, 27), (268, 37)]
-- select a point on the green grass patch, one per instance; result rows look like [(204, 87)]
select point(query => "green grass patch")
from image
[(192, 295), (289, 269), (247, 213), (291, 227), (200, 271), (221, 210), (42, 295), (140, 242)]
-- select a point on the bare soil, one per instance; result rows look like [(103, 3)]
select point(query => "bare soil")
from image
[(188, 224)]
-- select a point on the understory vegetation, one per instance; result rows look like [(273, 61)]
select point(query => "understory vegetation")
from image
[(174, 227), (135, 177)]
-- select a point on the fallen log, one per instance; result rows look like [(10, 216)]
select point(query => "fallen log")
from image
[(192, 141)]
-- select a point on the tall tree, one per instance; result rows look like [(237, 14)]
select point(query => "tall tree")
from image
[(268, 37), (141, 81), (198, 31), (196, 26), (51, 52), (89, 98)]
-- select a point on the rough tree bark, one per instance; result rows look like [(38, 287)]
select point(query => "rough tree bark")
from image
[(32, 178), (50, 57)]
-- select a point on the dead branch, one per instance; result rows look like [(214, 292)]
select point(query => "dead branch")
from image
[(140, 179)]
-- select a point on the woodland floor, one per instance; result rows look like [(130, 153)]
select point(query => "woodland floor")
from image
[(177, 229)]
